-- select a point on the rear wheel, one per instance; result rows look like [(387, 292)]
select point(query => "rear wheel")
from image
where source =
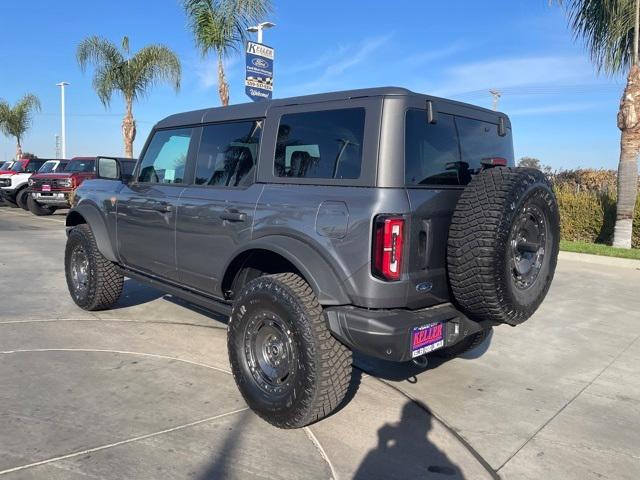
[(93, 281), (503, 244), (38, 209), (289, 368)]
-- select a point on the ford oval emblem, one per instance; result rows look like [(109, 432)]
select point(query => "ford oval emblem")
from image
[(260, 63), (424, 287)]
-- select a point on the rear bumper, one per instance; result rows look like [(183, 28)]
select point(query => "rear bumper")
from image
[(54, 199), (386, 334)]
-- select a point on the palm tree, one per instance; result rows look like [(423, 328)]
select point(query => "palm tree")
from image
[(16, 120), (131, 75), (220, 26), (610, 30)]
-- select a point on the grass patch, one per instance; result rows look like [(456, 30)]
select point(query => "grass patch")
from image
[(599, 249)]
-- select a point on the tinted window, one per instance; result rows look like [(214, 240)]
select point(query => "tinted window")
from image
[(166, 156), (81, 166), (228, 154), (449, 151), (480, 140), (126, 167), (34, 166), (325, 144), (19, 166), (432, 154)]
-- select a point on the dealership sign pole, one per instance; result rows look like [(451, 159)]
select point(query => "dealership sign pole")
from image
[(259, 74)]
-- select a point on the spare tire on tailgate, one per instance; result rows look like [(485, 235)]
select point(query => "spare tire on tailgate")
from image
[(503, 244)]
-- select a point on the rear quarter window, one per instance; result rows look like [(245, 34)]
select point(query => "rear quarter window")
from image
[(450, 151)]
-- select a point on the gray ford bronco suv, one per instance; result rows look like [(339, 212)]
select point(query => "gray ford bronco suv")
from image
[(380, 221)]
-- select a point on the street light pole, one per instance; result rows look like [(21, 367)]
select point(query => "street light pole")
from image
[(259, 28), (63, 126)]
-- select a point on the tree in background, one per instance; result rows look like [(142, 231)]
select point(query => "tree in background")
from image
[(221, 26), (610, 30), (131, 75), (529, 162), (16, 120)]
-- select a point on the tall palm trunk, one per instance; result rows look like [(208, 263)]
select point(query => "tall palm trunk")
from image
[(629, 125), (129, 129), (18, 149), (223, 86)]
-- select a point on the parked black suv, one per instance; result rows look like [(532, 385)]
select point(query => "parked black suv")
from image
[(379, 220)]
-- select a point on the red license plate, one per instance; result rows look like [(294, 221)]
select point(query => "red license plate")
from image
[(46, 188), (427, 338)]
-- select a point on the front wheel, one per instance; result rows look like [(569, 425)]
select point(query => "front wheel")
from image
[(288, 367), (38, 209), (22, 198), (94, 282)]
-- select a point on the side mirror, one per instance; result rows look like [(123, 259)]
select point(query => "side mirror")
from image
[(108, 168)]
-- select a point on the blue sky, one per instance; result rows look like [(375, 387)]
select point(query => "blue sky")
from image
[(562, 112)]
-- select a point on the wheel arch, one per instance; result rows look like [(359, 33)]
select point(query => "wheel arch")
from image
[(88, 213), (289, 254)]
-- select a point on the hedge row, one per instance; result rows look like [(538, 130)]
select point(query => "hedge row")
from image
[(587, 201)]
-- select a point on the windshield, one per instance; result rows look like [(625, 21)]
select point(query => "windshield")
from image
[(81, 166), (48, 167), (6, 165), (18, 166)]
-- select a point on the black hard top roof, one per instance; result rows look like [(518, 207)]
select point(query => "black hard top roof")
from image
[(260, 109)]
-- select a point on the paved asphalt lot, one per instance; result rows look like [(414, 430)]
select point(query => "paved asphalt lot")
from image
[(144, 391)]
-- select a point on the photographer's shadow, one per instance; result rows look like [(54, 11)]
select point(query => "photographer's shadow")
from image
[(405, 451)]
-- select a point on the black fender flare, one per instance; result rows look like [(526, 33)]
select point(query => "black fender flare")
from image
[(95, 219), (317, 270)]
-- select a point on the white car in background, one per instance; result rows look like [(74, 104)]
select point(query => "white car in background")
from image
[(14, 184)]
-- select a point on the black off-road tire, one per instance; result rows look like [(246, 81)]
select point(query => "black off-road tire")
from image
[(463, 346), (485, 241), (104, 282), (22, 198), (37, 209), (318, 379)]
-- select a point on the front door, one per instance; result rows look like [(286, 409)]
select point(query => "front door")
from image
[(147, 206), (215, 213)]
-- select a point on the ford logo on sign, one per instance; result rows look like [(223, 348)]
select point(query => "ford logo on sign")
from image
[(260, 63)]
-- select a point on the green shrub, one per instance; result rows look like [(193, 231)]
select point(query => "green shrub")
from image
[(587, 203), (585, 215)]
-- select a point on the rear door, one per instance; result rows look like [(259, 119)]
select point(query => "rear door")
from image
[(215, 212), (147, 205), (440, 159)]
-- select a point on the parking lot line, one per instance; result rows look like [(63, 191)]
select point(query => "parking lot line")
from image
[(122, 442), (123, 352)]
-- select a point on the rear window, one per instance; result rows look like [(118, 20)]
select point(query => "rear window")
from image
[(325, 144), (450, 151)]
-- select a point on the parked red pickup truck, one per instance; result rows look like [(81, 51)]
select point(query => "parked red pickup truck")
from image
[(50, 191)]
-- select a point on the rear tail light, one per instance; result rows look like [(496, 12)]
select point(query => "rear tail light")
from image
[(388, 238)]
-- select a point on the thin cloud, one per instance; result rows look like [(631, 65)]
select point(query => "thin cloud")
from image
[(423, 58), (510, 72), (557, 109), (347, 60)]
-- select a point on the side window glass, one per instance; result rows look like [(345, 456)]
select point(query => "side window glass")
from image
[(324, 144), (166, 157), (431, 152), (228, 154)]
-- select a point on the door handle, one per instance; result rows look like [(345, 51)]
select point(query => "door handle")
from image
[(163, 208), (233, 216)]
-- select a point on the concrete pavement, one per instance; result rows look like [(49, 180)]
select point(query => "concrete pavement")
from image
[(143, 390)]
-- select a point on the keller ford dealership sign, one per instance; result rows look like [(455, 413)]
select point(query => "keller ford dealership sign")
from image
[(259, 77)]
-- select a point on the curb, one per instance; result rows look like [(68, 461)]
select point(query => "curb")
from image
[(600, 260)]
